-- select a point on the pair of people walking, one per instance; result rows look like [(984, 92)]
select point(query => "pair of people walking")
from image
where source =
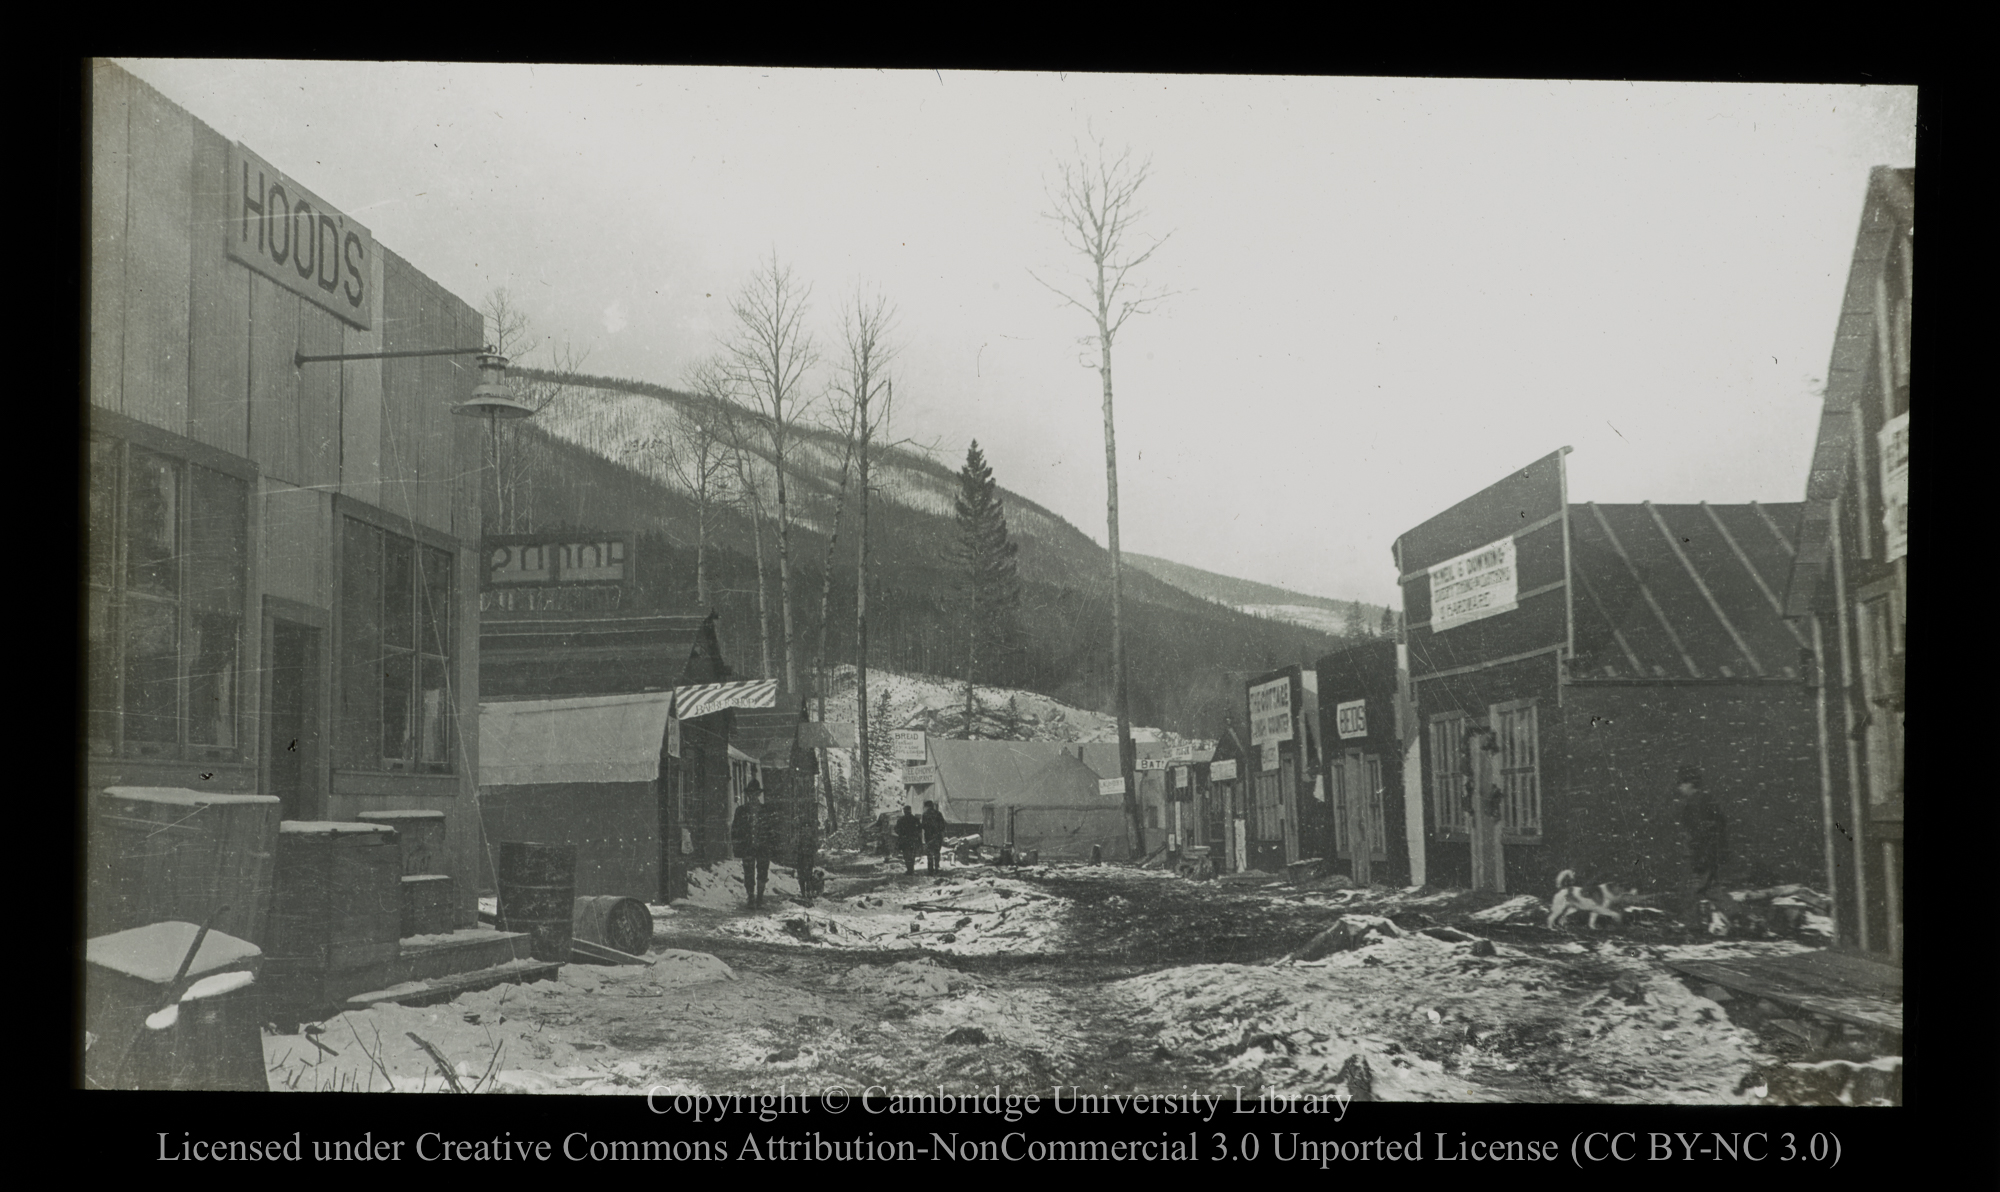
[(927, 831), (756, 835)]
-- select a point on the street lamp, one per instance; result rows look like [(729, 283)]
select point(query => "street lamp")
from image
[(494, 399)]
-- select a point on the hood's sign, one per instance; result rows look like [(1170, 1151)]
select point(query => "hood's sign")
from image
[(288, 234)]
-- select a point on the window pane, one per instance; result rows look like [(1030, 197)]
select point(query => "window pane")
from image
[(103, 529), (398, 680), (101, 693), (152, 672), (217, 532), (358, 739), (212, 679), (399, 584), (152, 523), (433, 717), (434, 603)]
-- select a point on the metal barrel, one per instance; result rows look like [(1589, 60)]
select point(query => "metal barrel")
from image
[(537, 888)]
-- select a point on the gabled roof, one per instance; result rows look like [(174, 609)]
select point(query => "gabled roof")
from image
[(1682, 591), (544, 655), (1065, 780)]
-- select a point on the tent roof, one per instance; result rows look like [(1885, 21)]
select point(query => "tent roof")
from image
[(605, 738)]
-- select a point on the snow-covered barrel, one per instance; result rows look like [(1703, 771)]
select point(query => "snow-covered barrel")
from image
[(537, 888), (614, 921)]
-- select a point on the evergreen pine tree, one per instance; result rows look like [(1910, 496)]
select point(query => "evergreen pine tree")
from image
[(990, 588), (1388, 621)]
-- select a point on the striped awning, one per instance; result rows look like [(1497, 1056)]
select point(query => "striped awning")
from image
[(692, 702)]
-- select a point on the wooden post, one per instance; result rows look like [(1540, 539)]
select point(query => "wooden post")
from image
[(1489, 858)]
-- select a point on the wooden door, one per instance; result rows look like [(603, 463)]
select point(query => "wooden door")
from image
[(292, 741)]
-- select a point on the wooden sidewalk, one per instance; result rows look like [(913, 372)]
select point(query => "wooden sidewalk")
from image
[(1836, 985)]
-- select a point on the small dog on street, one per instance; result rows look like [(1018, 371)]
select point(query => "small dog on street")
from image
[(1596, 901)]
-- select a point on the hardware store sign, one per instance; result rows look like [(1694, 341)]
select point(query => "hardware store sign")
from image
[(1476, 584)]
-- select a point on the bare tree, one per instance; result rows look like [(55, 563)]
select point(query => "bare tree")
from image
[(866, 397), (741, 457), (699, 460), (511, 333), (1092, 202), (770, 354)]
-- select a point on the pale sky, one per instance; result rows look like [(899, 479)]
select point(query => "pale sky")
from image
[(1391, 292)]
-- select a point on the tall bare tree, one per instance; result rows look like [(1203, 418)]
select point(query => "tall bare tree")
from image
[(699, 460), (770, 354), (866, 397), (742, 458), (512, 334), (1093, 203)]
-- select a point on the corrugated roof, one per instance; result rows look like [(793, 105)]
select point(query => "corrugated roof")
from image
[(613, 738), (1682, 591)]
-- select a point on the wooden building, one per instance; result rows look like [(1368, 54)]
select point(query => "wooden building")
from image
[(1285, 813), (282, 567), (1363, 725), (1567, 660), (1848, 587)]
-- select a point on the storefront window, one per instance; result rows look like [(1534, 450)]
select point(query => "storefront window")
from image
[(395, 659), (165, 572)]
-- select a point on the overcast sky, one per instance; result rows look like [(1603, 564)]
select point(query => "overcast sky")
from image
[(1390, 292)]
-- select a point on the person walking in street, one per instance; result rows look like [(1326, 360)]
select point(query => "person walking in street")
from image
[(1708, 839), (908, 831), (933, 822), (750, 836)]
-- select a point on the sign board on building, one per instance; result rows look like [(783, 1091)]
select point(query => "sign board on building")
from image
[(1270, 757), (1476, 584), (1894, 439), (1181, 777), (1350, 719), (542, 561), (1150, 763), (1222, 771), (1271, 711), (293, 237), (1111, 786), (673, 735), (919, 775), (908, 744)]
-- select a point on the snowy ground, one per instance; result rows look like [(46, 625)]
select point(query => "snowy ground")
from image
[(1104, 976)]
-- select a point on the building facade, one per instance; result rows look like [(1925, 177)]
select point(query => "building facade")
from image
[(1849, 585), (1568, 660), (282, 554)]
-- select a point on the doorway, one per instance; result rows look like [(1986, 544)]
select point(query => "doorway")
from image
[(292, 743)]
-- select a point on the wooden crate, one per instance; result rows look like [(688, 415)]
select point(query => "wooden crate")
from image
[(160, 853), (128, 975), (420, 835), (339, 897)]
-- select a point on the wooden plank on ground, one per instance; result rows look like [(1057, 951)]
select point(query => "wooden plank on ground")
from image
[(1788, 990)]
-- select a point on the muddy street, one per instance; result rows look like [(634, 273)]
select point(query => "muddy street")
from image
[(1105, 979)]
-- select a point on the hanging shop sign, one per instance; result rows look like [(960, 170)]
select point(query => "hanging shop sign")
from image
[(1478, 584), (293, 237), (1222, 771), (1350, 719), (1111, 786), (1150, 763), (1270, 757), (673, 736), (522, 560), (1894, 439), (919, 775), (1271, 711), (909, 745)]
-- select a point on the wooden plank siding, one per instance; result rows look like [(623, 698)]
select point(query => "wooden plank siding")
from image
[(401, 381), (274, 381), (319, 398), (156, 261), (109, 143), (218, 309), (361, 408), (298, 547)]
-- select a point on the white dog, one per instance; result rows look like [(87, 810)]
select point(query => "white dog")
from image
[(1595, 901)]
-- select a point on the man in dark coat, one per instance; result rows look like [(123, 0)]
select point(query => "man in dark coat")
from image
[(933, 822), (908, 832), (885, 835), (1708, 837), (750, 835)]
